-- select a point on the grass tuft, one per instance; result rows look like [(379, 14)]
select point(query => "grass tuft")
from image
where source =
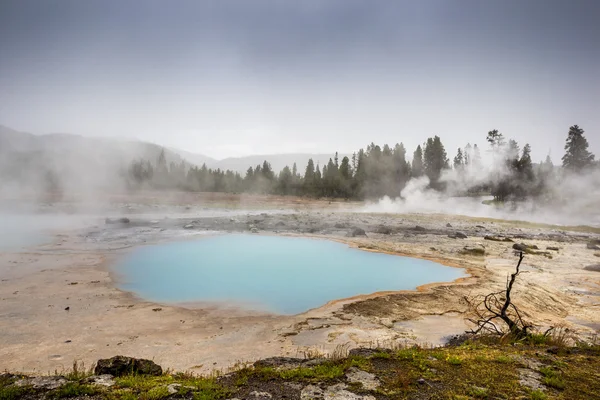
[(73, 389), (454, 360), (13, 392), (538, 395)]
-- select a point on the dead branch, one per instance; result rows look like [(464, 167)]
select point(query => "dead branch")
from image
[(495, 313)]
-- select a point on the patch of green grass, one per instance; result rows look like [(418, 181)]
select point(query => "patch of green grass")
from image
[(73, 389), (156, 393), (536, 339), (13, 392), (121, 394), (552, 378), (382, 354), (538, 395), (502, 359), (548, 371), (326, 371), (323, 371), (555, 382), (155, 387), (211, 390), (478, 392), (454, 360), (411, 353)]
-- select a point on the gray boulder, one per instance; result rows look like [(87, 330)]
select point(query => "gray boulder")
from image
[(43, 382), (595, 268), (123, 220), (458, 235), (121, 365)]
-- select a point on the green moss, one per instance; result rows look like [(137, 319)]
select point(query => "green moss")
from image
[(502, 359), (13, 392), (538, 395), (478, 392), (382, 354), (454, 360), (555, 382), (73, 389)]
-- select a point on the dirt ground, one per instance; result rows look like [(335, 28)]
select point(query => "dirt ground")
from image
[(59, 301)]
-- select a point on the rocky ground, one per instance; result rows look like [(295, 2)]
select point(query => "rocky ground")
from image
[(60, 302), (481, 369)]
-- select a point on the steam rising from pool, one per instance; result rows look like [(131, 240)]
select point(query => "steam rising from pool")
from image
[(274, 274)]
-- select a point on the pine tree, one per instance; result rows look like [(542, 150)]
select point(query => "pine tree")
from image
[(467, 154), (458, 160), (434, 159), (577, 157), (401, 168), (284, 181), (417, 162), (309, 178), (525, 164), (345, 178), (495, 139), (476, 158)]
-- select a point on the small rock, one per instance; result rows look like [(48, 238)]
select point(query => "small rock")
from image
[(335, 392), (260, 395), (43, 382), (339, 225), (188, 226), (448, 225), (419, 228), (121, 365), (101, 380), (157, 309), (552, 248), (67, 308), (279, 362), (531, 379), (173, 388), (595, 268), (593, 246), (421, 381), (497, 239), (474, 251), (480, 226), (520, 246), (368, 381), (458, 235), (254, 230), (123, 220), (280, 223)]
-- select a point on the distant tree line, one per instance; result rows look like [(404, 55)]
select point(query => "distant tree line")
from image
[(377, 171)]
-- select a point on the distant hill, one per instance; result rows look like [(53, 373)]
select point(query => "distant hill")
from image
[(195, 158), (34, 161)]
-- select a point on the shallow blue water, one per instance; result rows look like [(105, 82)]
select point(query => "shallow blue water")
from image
[(277, 274)]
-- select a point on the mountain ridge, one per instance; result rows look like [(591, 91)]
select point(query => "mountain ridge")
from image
[(14, 140)]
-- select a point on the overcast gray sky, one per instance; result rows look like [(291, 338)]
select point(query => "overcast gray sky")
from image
[(231, 78)]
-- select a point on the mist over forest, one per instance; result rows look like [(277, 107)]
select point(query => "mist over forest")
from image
[(391, 178)]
